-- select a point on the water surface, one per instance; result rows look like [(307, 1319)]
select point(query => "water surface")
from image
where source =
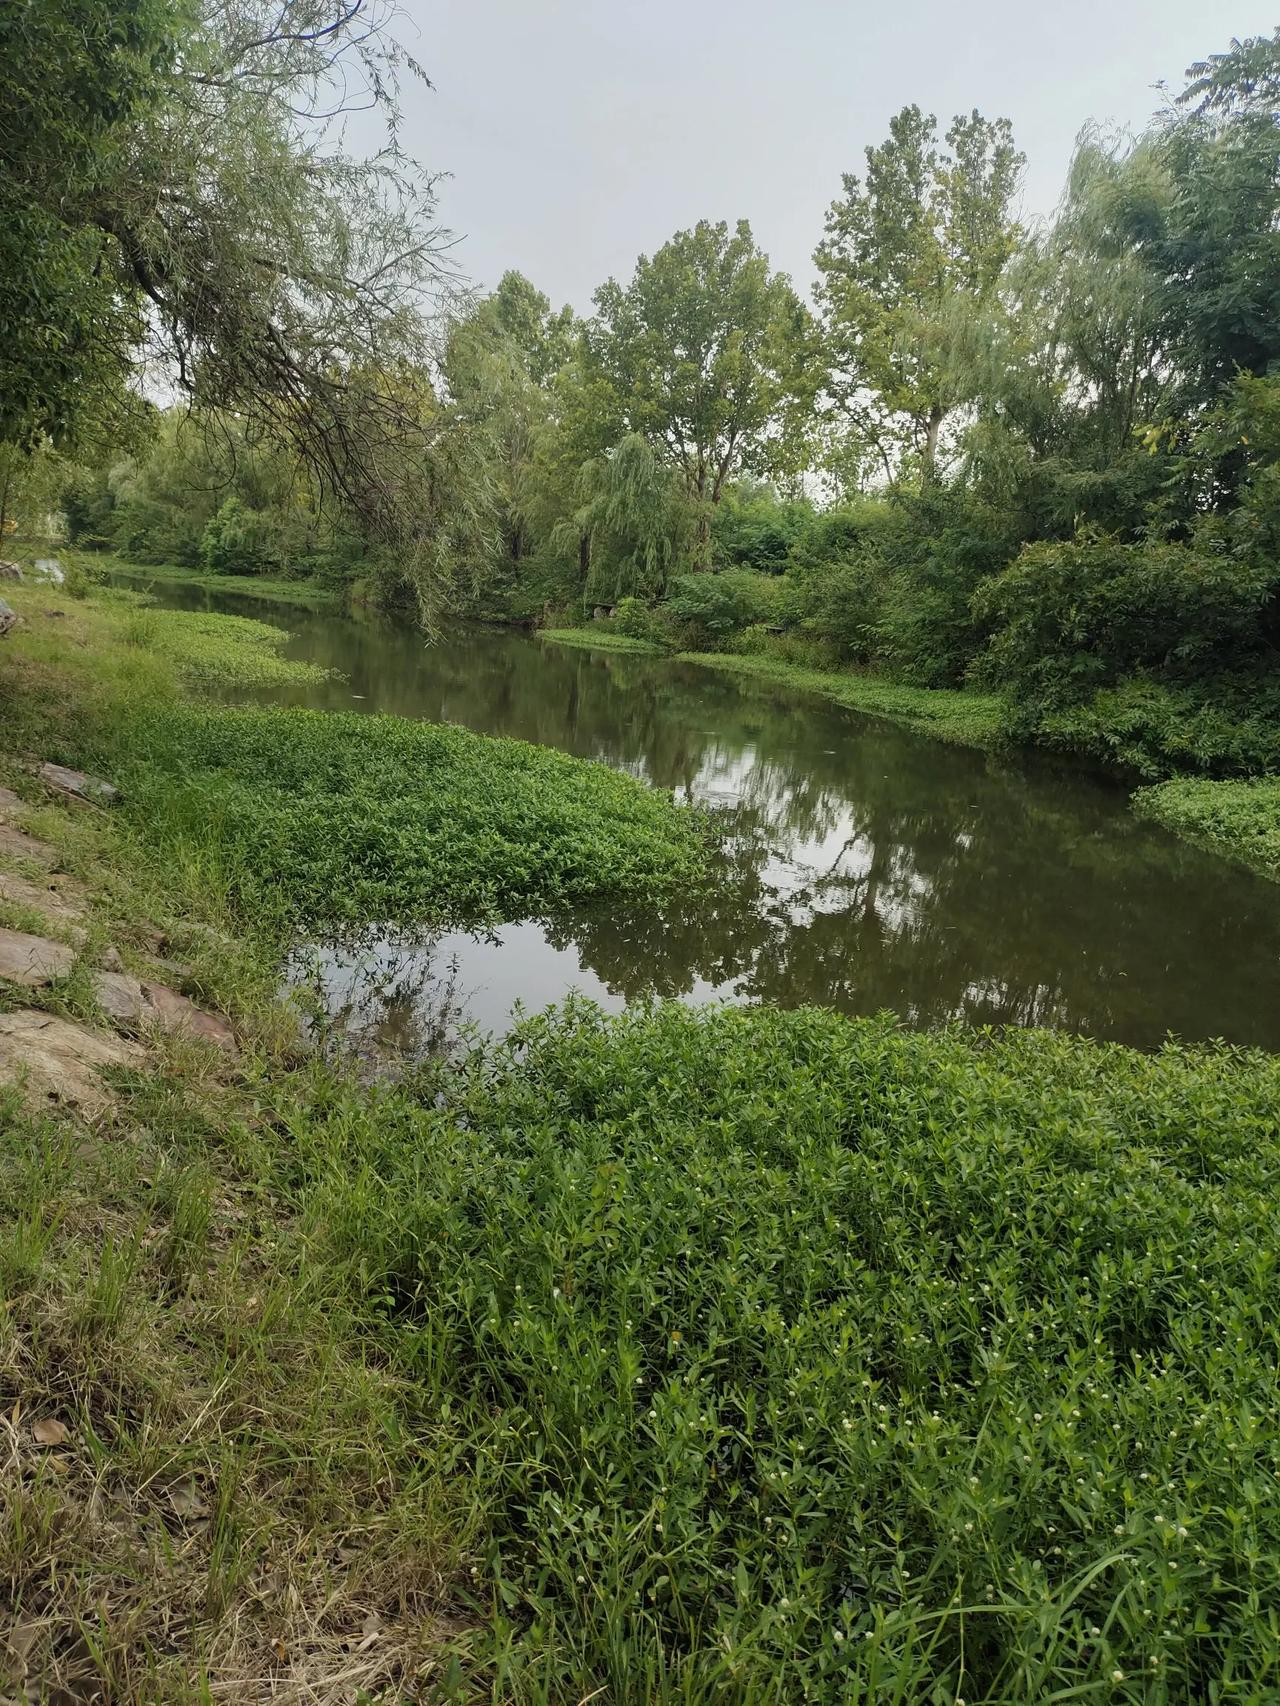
[(860, 866)]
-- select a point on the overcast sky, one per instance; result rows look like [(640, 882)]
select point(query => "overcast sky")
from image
[(581, 133)]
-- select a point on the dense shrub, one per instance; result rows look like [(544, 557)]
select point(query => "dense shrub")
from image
[(1068, 619), (795, 1358), (753, 529), (710, 607), (1220, 726), (240, 541), (932, 553)]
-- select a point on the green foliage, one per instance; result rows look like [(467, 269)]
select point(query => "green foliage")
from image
[(237, 541), (1068, 619), (77, 82), (753, 529), (709, 356), (1226, 725), (1240, 820), (909, 257), (807, 1358), (711, 607), (636, 521)]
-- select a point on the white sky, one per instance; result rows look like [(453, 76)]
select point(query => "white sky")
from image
[(580, 133)]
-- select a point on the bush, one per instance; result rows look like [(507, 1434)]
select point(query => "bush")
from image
[(1068, 619), (800, 1358), (1221, 726), (711, 607), (932, 553), (240, 541), (752, 528)]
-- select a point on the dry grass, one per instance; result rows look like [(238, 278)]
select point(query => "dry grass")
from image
[(211, 1489)]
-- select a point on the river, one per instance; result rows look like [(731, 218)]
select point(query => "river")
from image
[(859, 866)]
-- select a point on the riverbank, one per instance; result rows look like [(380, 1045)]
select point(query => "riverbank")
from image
[(676, 1356), (970, 719), (599, 640), (306, 593)]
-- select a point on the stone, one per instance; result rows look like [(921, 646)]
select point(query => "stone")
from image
[(58, 1062), (77, 786), (176, 1013), (111, 960), (121, 998), (10, 572), (51, 902), (33, 960), (10, 805), (17, 844), (9, 617)]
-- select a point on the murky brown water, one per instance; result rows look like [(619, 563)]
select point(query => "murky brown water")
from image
[(861, 867)]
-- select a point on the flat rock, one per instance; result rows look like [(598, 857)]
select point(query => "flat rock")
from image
[(52, 902), (33, 960), (76, 785), (10, 805), (17, 844), (58, 1062), (132, 1004), (176, 1013), (9, 617), (121, 998)]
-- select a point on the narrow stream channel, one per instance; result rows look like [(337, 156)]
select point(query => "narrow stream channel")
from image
[(861, 867)]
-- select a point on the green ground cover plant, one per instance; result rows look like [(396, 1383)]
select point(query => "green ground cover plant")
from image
[(309, 593), (597, 639), (1240, 820), (793, 1357), (313, 817), (971, 719)]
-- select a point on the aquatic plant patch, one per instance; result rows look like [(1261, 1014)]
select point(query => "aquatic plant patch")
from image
[(972, 719), (1239, 819), (320, 817)]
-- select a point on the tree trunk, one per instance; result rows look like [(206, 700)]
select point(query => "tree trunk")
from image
[(932, 427)]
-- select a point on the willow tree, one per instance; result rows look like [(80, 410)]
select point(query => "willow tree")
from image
[(912, 254), (177, 198), (636, 521), (710, 357)]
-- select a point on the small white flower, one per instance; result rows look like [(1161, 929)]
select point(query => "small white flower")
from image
[(1117, 1676)]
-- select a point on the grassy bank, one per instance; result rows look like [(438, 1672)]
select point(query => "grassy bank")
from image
[(970, 719), (1239, 820), (308, 594), (598, 640), (316, 817)]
